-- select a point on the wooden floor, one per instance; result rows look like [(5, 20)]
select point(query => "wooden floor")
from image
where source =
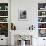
[(3, 45)]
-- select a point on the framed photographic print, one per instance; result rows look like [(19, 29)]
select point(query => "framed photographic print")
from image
[(22, 14)]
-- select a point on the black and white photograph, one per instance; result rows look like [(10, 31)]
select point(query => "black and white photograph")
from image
[(22, 14)]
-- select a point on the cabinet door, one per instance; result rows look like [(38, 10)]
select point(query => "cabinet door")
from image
[(41, 41)]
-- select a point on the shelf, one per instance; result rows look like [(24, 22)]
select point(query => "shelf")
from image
[(41, 10), (41, 28), (41, 22), (3, 16), (4, 19), (3, 22), (3, 10), (42, 19), (42, 16)]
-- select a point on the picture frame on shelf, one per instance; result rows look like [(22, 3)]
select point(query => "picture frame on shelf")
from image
[(22, 15)]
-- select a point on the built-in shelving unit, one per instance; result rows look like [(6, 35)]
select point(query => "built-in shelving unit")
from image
[(41, 9), (4, 19), (42, 19)]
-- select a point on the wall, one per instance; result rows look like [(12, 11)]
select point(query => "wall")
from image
[(32, 12), (31, 7)]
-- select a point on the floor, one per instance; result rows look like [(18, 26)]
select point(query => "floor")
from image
[(3, 45)]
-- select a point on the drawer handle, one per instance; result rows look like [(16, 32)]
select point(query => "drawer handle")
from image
[(1, 39), (43, 39)]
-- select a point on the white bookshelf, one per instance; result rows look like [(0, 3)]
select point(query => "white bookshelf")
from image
[(42, 10), (41, 28), (2, 42), (3, 16), (42, 13), (3, 10), (41, 22), (3, 22), (41, 18)]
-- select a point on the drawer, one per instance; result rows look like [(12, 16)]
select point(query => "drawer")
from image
[(3, 41)]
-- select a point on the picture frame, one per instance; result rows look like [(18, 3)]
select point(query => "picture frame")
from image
[(22, 15)]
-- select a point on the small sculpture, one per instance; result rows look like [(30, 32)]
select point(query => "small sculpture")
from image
[(31, 27), (13, 27)]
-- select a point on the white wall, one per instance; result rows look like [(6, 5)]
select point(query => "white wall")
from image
[(32, 8), (31, 13)]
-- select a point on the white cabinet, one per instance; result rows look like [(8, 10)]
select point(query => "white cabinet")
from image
[(41, 41), (4, 21), (42, 24), (3, 40)]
